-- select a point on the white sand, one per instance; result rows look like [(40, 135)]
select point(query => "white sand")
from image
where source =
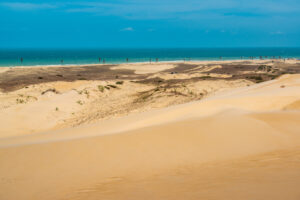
[(81, 102), (145, 68), (240, 144)]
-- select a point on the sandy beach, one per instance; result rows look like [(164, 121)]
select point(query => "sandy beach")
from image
[(173, 130)]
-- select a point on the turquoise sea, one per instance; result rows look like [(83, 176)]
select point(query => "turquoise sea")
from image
[(13, 57)]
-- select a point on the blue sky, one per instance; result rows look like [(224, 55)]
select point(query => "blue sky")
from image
[(149, 23)]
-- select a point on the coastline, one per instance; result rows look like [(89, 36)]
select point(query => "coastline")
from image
[(12, 57), (213, 61)]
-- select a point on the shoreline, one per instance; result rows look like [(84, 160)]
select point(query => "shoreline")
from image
[(154, 62)]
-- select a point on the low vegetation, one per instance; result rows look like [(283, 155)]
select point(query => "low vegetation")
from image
[(119, 82), (101, 88), (79, 102), (20, 101), (25, 99), (50, 90), (264, 68), (205, 77), (112, 86)]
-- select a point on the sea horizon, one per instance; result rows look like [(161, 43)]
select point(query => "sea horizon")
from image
[(84, 56)]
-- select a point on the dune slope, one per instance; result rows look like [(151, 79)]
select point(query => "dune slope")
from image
[(243, 144)]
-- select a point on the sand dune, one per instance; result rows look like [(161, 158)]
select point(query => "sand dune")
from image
[(39, 99), (239, 144)]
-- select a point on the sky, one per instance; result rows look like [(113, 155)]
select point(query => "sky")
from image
[(149, 23)]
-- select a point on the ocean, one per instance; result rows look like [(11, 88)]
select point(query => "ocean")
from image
[(29, 57)]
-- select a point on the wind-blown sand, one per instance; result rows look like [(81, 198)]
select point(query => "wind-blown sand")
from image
[(242, 143)]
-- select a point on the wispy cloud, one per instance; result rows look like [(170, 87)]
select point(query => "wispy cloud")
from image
[(277, 33), (27, 6), (127, 29)]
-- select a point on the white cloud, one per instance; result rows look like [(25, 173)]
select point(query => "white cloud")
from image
[(277, 33), (127, 29)]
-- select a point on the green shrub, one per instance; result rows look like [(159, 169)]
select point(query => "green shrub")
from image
[(205, 77), (79, 102), (119, 82), (100, 88), (20, 101), (258, 78), (112, 86)]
